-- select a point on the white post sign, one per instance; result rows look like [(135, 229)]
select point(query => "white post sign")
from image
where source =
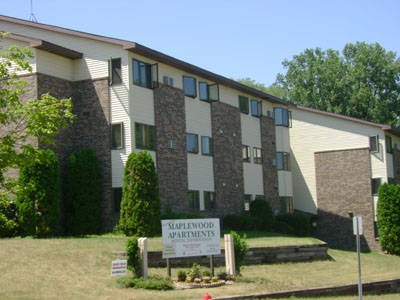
[(190, 237), (118, 267), (357, 225)]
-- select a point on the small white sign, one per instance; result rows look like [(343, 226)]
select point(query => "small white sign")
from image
[(118, 267), (360, 228)]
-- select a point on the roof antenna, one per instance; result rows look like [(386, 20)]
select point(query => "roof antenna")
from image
[(32, 16)]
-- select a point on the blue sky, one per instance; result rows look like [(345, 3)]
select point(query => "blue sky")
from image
[(233, 38)]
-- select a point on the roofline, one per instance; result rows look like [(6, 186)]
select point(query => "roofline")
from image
[(384, 127), (155, 55)]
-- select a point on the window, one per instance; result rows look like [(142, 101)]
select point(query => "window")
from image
[(389, 145), (257, 155), (256, 108), (189, 86), (283, 161), (374, 143), (192, 144), (145, 136), (247, 200), (117, 136), (194, 202), (282, 117), (117, 198), (115, 74), (246, 153), (144, 74), (244, 104), (206, 145), (203, 91), (375, 184), (286, 205), (209, 200)]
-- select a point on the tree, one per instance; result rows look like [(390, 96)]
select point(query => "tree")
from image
[(20, 121), (82, 196), (362, 82), (140, 206), (274, 89), (389, 218), (39, 195)]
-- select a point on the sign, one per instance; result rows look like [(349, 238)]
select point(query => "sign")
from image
[(359, 221), (190, 237), (118, 267)]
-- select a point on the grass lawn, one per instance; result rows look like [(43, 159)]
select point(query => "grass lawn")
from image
[(79, 268)]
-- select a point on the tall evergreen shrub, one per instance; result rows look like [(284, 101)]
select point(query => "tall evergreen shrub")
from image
[(140, 206), (262, 209), (82, 196), (38, 197), (389, 218)]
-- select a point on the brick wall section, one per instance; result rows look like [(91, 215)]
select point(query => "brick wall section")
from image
[(170, 122), (270, 172), (343, 180), (228, 164), (90, 130)]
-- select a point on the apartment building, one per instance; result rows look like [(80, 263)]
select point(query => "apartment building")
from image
[(216, 144), (338, 164)]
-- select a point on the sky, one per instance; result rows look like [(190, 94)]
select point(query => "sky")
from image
[(233, 38)]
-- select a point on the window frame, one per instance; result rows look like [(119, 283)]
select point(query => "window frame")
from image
[(204, 147), (194, 199), (194, 150), (374, 143), (117, 199), (203, 88), (286, 205), (117, 145), (246, 154), (192, 90), (244, 104), (209, 200), (115, 71), (375, 185), (283, 161), (150, 77), (146, 139), (257, 155), (283, 117), (256, 108), (389, 144), (247, 200)]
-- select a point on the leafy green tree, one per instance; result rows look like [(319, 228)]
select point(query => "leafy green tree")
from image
[(140, 205), (389, 218), (20, 121), (82, 196), (240, 247), (38, 197), (362, 82), (262, 209), (274, 89)]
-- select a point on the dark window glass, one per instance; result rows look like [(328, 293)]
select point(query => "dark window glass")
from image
[(192, 144), (375, 184), (142, 74), (209, 200), (257, 155), (389, 145), (194, 200), (255, 108), (189, 86), (206, 145), (282, 116), (244, 104), (374, 143), (117, 136), (283, 161), (203, 91), (115, 72), (247, 200), (117, 197), (145, 136), (246, 153)]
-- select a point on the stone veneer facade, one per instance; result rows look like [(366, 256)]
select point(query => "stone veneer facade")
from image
[(170, 122), (343, 180), (91, 129), (270, 172), (228, 162)]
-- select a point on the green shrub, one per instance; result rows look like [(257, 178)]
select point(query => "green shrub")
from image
[(151, 283), (389, 218), (82, 196), (262, 209), (8, 217), (298, 223), (38, 197), (240, 247), (133, 254), (194, 272), (140, 206), (182, 276), (234, 222)]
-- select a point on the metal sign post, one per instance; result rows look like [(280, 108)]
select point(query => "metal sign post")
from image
[(358, 230)]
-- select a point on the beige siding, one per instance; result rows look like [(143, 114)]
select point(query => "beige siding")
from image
[(313, 132), (54, 65)]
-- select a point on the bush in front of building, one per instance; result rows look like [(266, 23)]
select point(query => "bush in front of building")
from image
[(389, 218), (38, 197), (140, 205), (82, 193), (8, 217), (297, 224), (245, 222), (262, 209)]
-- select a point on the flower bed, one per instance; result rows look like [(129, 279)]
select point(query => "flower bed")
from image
[(195, 285)]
